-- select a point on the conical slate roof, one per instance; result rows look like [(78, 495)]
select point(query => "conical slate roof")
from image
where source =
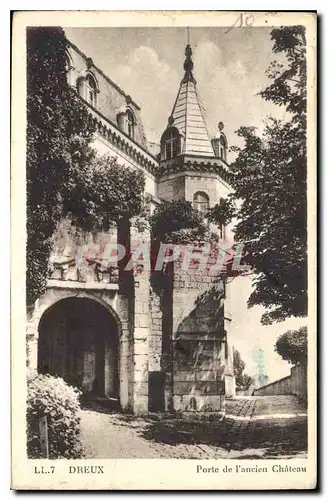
[(187, 114)]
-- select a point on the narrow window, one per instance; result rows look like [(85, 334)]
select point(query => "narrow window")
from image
[(201, 202), (223, 149), (221, 225), (90, 90), (130, 124)]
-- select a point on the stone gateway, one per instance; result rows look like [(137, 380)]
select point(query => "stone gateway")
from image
[(157, 345)]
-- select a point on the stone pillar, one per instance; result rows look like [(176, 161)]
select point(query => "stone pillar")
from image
[(32, 334), (124, 354), (230, 390), (141, 345), (155, 363), (197, 338), (32, 354), (167, 304), (141, 330)]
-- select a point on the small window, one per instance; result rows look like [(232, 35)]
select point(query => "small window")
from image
[(221, 225), (221, 231), (171, 144), (130, 124), (223, 143), (201, 202), (91, 90), (69, 68)]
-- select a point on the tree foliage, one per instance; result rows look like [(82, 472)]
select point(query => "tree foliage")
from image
[(177, 220), (289, 78), (65, 176), (222, 213), (58, 127), (292, 346), (241, 378), (102, 192), (269, 198)]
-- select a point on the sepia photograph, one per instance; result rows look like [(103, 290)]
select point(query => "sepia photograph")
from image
[(168, 203)]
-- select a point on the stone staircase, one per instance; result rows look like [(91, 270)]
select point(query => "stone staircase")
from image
[(252, 407), (272, 405)]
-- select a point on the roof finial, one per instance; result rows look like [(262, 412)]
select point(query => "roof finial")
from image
[(188, 64)]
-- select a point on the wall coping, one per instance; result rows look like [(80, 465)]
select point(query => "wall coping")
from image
[(109, 131), (273, 383), (79, 285)]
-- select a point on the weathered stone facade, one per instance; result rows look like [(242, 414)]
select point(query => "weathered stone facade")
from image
[(152, 340)]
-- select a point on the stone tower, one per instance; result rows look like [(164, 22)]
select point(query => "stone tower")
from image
[(194, 167), (190, 162)]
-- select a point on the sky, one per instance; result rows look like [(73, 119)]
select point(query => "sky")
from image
[(148, 64), (230, 69), (249, 335)]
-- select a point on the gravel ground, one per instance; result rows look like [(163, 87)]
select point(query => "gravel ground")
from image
[(257, 427)]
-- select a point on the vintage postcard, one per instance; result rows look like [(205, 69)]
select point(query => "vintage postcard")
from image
[(164, 250)]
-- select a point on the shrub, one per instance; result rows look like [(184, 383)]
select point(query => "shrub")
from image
[(52, 397)]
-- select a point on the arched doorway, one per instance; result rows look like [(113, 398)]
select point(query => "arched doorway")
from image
[(78, 341)]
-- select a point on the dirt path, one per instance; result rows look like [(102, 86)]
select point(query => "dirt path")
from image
[(257, 427)]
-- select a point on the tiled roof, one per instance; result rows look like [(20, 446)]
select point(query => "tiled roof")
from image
[(187, 115)]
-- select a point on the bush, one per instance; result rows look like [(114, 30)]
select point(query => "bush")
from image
[(52, 397)]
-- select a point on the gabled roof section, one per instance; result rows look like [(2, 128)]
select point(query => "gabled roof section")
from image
[(187, 115)]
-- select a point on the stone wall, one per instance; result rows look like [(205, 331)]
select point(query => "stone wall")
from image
[(172, 187), (196, 375), (126, 300), (172, 347), (295, 383)]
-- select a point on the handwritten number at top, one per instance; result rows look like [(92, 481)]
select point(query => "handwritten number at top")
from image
[(242, 21)]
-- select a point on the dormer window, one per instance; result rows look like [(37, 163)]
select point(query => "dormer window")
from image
[(69, 68), (223, 146), (219, 143), (91, 89), (170, 144), (201, 202), (88, 89), (129, 124), (126, 121)]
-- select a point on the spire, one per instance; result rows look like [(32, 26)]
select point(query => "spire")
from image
[(187, 114)]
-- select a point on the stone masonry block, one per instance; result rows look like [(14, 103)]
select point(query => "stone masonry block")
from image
[(198, 403), (140, 405), (201, 388), (141, 320), (140, 362), (184, 376), (141, 333), (140, 388), (140, 376), (141, 348)]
